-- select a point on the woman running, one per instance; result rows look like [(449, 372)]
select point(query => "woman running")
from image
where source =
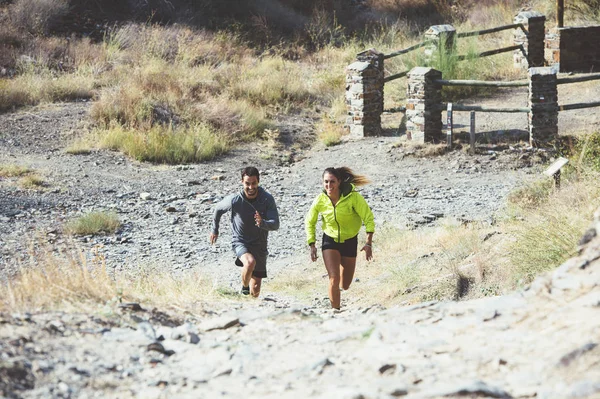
[(343, 211)]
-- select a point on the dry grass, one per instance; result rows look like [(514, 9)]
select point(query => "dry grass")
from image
[(32, 181), (11, 170), (72, 280), (547, 230), (79, 146), (165, 144), (422, 150), (27, 178), (94, 223), (38, 85), (329, 132)]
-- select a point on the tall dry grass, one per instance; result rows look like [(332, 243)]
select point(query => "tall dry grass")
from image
[(74, 280)]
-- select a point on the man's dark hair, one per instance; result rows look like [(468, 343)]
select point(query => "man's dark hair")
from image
[(250, 171)]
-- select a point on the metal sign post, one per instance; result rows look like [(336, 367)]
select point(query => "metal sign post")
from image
[(472, 134), (449, 127)]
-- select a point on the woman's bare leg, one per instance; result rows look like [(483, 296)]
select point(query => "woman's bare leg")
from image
[(333, 259), (347, 267)]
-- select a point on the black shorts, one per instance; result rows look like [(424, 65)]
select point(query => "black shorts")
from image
[(260, 269), (347, 248)]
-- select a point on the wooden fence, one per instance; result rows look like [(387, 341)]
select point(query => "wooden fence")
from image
[(437, 43), (551, 106)]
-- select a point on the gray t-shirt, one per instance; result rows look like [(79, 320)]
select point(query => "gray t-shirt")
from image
[(243, 226)]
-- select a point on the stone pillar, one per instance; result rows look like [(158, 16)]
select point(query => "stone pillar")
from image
[(423, 101), (364, 94), (443, 37), (532, 40), (552, 49), (543, 102)]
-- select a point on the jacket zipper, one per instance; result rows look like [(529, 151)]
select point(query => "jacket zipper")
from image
[(336, 221)]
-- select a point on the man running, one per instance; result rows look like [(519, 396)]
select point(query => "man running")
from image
[(253, 215)]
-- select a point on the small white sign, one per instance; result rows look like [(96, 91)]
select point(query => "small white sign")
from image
[(556, 165)]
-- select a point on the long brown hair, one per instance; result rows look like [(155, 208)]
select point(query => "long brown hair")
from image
[(345, 175)]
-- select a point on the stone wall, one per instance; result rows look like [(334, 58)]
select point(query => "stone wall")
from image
[(532, 40), (574, 49), (423, 99), (364, 94), (543, 102)]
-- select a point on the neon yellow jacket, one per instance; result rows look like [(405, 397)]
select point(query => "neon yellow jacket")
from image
[(342, 221)]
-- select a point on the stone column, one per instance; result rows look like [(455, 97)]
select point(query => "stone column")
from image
[(532, 40), (423, 101), (364, 94), (443, 37), (543, 102)]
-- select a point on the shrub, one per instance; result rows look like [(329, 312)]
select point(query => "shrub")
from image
[(94, 223), (38, 16), (162, 144)]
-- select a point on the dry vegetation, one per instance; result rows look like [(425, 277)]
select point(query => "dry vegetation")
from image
[(94, 223), (74, 281), (186, 93), (24, 177)]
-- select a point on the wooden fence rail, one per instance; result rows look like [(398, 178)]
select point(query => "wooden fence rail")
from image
[(493, 52), (576, 79), (483, 83), (491, 30), (568, 107), (461, 107), (408, 49), (396, 76)]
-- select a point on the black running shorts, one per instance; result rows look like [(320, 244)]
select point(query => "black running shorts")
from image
[(347, 248), (260, 269)]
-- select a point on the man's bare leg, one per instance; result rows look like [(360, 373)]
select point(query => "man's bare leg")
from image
[(249, 263), (255, 283)]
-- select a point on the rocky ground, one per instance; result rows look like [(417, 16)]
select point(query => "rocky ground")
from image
[(541, 342), (166, 210)]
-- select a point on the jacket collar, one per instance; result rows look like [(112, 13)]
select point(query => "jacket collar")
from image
[(345, 189)]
